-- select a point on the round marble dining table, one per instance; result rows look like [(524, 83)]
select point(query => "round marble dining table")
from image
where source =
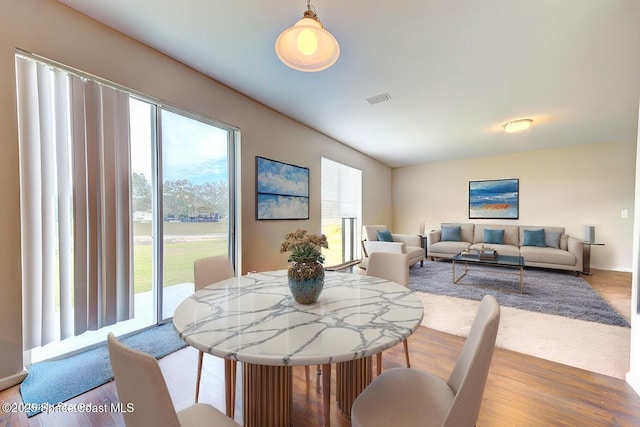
[(254, 319)]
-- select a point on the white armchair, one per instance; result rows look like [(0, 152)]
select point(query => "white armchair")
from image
[(410, 244)]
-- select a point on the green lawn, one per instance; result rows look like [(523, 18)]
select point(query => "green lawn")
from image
[(182, 228), (178, 256), (333, 256)]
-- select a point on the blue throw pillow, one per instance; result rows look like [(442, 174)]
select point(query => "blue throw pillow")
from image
[(552, 239), (534, 238), (385, 236), (450, 233), (493, 236)]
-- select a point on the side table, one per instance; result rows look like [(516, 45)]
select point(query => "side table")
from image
[(586, 256)]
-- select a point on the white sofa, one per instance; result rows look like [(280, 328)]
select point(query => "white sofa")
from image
[(410, 244), (560, 251)]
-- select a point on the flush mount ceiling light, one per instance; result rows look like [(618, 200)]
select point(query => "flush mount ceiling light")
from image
[(517, 125), (307, 46)]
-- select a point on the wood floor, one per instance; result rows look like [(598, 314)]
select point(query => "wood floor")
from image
[(521, 390)]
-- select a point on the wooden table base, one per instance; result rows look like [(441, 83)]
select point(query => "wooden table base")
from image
[(267, 395), (230, 370), (351, 378)]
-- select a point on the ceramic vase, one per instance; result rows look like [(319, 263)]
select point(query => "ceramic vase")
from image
[(306, 280)]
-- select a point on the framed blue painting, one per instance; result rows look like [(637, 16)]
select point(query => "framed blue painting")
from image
[(282, 190), (494, 199)]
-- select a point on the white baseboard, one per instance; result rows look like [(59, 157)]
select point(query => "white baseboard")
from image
[(617, 268), (634, 382), (14, 379)]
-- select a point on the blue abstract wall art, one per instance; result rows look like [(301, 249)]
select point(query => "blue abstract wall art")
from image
[(494, 199), (282, 190)]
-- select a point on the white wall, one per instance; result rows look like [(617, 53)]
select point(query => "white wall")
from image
[(51, 29), (567, 187), (633, 376)]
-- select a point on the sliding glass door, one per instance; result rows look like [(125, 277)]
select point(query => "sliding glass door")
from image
[(143, 137), (185, 161), (120, 194), (195, 200)]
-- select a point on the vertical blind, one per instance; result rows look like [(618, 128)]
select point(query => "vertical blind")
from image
[(75, 203)]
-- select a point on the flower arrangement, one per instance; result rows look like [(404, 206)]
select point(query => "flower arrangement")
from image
[(304, 246)]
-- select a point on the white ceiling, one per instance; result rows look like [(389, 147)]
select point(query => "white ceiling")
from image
[(456, 70)]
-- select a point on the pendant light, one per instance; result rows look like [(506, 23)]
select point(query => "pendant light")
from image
[(307, 46)]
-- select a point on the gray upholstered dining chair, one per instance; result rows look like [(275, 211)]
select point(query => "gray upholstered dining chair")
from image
[(422, 399), (394, 267), (206, 271), (139, 382)]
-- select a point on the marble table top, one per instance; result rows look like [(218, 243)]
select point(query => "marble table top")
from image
[(254, 319)]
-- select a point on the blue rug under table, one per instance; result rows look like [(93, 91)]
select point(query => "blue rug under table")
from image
[(56, 381)]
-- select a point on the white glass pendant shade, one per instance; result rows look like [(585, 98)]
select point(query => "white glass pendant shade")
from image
[(307, 46)]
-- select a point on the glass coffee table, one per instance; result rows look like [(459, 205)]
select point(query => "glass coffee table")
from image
[(505, 262)]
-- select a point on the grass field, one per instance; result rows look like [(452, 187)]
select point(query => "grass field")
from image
[(333, 255), (178, 261), (182, 228), (179, 253)]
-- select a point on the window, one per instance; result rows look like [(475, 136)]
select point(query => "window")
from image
[(195, 200), (119, 195), (341, 189)]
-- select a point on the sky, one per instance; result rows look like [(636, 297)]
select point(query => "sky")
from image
[(191, 149)]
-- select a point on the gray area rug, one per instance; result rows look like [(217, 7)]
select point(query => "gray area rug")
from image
[(545, 291)]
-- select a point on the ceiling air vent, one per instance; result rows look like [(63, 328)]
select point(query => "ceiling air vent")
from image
[(379, 98)]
